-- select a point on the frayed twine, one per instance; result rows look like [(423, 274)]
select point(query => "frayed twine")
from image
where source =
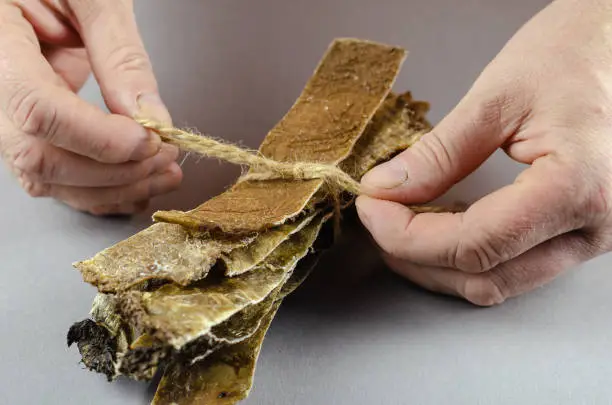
[(336, 182), (262, 168)]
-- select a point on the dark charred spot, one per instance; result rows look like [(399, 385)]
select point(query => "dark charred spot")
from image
[(97, 346)]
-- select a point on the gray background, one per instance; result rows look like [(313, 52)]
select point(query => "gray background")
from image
[(353, 334)]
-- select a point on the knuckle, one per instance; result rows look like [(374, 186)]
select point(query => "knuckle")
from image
[(39, 190), (33, 188), (395, 246), (22, 109), (481, 250), (89, 11), (435, 150), (30, 159), (600, 201), (129, 58), (108, 150), (596, 205), (499, 112), (436, 156), (489, 111), (31, 114), (483, 292), (475, 256)]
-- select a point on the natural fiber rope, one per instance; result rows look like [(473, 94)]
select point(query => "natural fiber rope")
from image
[(335, 180), (262, 168)]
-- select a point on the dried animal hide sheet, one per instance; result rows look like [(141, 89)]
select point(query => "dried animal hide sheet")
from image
[(396, 126), (178, 315), (225, 377), (324, 124), (162, 252), (131, 333), (168, 252), (160, 307)]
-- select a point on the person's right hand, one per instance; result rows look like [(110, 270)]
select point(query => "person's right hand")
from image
[(55, 143), (546, 100)]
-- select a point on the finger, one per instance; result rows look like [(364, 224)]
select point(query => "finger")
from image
[(87, 198), (527, 272), (34, 100), (50, 26), (118, 56), (43, 163), (540, 205), (59, 117), (70, 64), (463, 140)]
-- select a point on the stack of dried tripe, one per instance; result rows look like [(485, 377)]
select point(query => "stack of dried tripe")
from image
[(193, 295)]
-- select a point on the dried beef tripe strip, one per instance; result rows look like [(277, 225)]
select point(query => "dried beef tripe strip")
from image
[(395, 127), (330, 115), (324, 125), (190, 323), (162, 252), (225, 377), (166, 310), (178, 315)]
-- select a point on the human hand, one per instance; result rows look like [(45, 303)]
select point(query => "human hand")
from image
[(54, 142), (546, 100)]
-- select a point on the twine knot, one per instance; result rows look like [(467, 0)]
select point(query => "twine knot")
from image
[(262, 168)]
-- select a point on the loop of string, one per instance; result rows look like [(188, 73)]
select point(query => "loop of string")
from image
[(262, 168)]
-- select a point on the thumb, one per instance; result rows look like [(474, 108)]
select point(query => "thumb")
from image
[(119, 60), (455, 148)]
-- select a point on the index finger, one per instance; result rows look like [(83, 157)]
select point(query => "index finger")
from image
[(37, 104)]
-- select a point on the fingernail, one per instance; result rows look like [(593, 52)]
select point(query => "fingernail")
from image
[(167, 181), (166, 157), (361, 206), (152, 106), (388, 175)]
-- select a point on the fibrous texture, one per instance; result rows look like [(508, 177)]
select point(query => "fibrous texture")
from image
[(193, 295)]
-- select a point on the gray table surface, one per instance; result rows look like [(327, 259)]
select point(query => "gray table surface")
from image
[(354, 334)]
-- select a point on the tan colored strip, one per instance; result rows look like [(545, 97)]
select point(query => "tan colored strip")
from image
[(339, 100)]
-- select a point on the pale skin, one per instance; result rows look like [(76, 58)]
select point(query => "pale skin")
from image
[(56, 144), (546, 100)]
